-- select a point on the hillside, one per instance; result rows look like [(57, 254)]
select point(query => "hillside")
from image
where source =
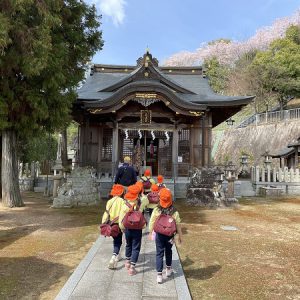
[(254, 140)]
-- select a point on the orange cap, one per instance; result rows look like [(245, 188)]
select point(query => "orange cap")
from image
[(165, 198), (117, 190), (140, 185), (154, 188), (160, 179), (132, 193), (147, 172)]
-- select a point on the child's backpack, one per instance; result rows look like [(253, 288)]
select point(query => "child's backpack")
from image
[(134, 218), (146, 183), (110, 228), (153, 197), (161, 186), (165, 224)]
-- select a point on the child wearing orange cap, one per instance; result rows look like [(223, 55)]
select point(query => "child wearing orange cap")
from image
[(147, 181), (160, 182), (163, 242), (151, 197), (143, 198), (133, 236), (113, 209)]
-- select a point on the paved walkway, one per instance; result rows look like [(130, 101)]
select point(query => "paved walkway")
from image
[(93, 280)]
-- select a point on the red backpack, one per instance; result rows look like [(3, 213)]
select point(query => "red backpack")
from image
[(153, 197), (161, 186), (110, 228), (146, 183), (134, 218), (165, 224)]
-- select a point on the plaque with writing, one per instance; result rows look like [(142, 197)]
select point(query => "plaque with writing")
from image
[(145, 116)]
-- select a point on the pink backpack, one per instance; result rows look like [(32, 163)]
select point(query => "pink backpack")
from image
[(146, 183), (153, 197), (165, 224), (134, 218)]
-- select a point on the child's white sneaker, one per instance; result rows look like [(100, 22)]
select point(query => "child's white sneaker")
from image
[(159, 278), (169, 272), (113, 262)]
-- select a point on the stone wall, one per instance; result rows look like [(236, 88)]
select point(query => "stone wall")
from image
[(255, 140)]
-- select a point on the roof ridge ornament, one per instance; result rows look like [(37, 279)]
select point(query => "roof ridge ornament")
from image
[(147, 59)]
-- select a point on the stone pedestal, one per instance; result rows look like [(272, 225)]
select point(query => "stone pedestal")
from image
[(270, 191), (56, 184)]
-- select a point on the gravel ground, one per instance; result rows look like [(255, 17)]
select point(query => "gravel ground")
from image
[(259, 260), (40, 247)]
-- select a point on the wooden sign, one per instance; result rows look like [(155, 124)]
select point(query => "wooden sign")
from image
[(146, 116)]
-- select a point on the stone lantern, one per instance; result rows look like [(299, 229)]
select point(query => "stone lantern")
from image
[(267, 159), (57, 168), (231, 176), (244, 173)]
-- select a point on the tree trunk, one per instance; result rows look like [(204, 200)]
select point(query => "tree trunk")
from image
[(64, 148), (0, 165), (11, 196)]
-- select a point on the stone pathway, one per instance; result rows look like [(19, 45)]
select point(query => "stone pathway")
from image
[(93, 280)]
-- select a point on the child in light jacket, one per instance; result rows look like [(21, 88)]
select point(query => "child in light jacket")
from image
[(154, 193), (133, 236), (147, 181), (113, 209), (160, 182), (163, 242)]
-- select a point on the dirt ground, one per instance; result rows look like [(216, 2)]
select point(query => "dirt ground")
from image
[(259, 260), (40, 247)]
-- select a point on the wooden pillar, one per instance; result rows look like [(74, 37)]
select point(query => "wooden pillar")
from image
[(100, 145), (115, 148), (175, 153), (195, 144), (87, 143), (296, 157), (203, 141), (80, 144), (206, 139)]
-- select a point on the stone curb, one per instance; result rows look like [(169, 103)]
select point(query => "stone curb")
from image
[(181, 285), (72, 282)]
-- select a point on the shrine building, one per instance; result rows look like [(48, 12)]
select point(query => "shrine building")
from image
[(162, 117)]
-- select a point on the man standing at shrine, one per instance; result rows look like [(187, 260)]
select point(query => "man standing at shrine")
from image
[(126, 174)]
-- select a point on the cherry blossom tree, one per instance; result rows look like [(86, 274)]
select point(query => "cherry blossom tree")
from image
[(229, 52)]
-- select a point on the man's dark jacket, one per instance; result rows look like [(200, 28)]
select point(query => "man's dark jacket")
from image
[(126, 175)]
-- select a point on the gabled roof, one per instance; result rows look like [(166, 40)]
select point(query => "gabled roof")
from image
[(188, 85)]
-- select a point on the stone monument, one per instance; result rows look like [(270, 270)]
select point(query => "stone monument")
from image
[(81, 189), (201, 187)]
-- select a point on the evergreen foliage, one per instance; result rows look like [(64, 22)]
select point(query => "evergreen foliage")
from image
[(45, 46)]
